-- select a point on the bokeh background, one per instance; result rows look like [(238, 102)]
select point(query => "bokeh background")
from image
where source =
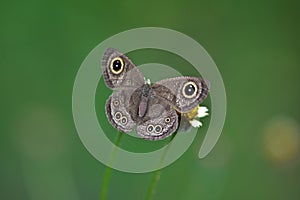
[(255, 45)]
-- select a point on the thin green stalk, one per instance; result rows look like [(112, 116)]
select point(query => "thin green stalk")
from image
[(153, 184), (108, 170), (157, 173)]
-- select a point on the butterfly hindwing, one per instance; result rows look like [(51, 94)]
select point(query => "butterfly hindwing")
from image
[(160, 121), (117, 111)]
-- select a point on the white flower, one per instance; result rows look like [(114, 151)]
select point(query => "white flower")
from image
[(202, 111), (147, 81), (195, 123)]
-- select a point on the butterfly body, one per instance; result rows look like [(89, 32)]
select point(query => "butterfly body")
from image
[(143, 104), (154, 109)]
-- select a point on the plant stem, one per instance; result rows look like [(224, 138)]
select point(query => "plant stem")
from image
[(157, 173), (108, 170), (153, 183)]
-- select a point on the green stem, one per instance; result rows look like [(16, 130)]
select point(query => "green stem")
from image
[(108, 170), (153, 183), (157, 173)]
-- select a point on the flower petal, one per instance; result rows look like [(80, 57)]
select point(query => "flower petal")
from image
[(202, 111), (148, 81), (195, 123)]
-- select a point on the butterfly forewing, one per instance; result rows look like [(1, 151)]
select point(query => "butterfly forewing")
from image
[(184, 93), (119, 72)]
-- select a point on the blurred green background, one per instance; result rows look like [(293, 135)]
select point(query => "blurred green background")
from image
[(255, 45)]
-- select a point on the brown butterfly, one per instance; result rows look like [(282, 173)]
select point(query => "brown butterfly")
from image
[(155, 109)]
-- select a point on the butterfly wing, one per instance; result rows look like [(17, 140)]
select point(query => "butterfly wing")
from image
[(160, 121), (119, 72), (183, 93), (117, 111)]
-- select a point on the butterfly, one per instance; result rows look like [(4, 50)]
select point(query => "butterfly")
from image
[(155, 110)]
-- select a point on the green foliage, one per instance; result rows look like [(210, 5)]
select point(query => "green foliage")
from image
[(255, 45)]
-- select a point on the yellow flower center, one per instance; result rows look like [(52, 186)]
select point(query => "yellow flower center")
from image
[(192, 114)]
